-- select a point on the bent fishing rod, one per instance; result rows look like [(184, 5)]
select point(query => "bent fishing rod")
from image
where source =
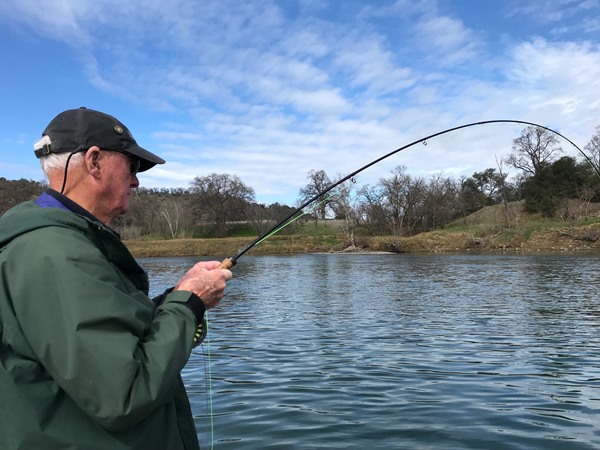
[(228, 263)]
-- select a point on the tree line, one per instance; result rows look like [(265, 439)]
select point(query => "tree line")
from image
[(220, 205)]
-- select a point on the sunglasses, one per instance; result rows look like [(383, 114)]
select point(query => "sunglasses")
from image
[(134, 163)]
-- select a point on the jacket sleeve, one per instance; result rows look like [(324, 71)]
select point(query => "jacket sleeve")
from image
[(102, 341)]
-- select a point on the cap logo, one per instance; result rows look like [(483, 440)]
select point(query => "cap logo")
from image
[(118, 129)]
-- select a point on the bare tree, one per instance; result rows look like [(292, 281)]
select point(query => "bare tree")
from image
[(593, 148), (415, 192), (371, 209), (510, 217), (346, 212), (441, 202), (533, 150), (143, 217), (319, 181), (221, 198), (394, 190), (171, 212)]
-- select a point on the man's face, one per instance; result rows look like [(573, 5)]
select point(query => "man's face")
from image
[(120, 178)]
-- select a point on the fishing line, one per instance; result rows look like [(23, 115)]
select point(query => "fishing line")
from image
[(210, 387), (208, 376), (230, 262)]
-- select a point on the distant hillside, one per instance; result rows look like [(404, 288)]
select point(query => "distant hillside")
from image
[(502, 228)]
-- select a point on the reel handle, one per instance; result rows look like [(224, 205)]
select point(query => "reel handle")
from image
[(228, 263)]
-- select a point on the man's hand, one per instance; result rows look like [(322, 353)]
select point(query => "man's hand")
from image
[(207, 280)]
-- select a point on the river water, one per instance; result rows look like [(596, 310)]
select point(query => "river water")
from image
[(399, 352)]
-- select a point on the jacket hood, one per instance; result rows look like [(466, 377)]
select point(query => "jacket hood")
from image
[(28, 216)]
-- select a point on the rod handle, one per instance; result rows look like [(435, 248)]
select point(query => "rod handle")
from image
[(227, 263)]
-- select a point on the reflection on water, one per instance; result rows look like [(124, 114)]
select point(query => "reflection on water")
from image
[(400, 351)]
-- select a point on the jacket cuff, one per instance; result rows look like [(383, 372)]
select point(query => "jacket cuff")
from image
[(196, 305), (187, 298)]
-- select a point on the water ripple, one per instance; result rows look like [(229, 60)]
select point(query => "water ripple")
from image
[(400, 351)]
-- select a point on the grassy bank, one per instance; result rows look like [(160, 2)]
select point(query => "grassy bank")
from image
[(224, 247), (488, 230)]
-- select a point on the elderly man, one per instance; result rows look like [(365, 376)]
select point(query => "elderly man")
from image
[(87, 360)]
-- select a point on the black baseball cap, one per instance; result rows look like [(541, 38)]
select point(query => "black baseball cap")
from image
[(75, 130)]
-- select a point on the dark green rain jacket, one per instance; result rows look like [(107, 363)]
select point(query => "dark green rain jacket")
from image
[(87, 360)]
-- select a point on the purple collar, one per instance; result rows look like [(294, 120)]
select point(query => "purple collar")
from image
[(45, 200)]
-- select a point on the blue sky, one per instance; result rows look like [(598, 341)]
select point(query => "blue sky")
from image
[(269, 90)]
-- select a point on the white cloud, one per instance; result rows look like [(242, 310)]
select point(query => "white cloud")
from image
[(253, 90), (447, 39)]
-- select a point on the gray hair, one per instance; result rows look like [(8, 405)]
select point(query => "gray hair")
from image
[(55, 161)]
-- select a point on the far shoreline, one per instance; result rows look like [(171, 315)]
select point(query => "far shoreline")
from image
[(551, 241)]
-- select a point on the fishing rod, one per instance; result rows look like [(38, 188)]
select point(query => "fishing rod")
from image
[(228, 263)]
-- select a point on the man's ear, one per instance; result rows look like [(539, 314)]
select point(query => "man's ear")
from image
[(92, 161)]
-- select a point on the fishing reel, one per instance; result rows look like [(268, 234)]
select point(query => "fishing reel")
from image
[(201, 332)]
